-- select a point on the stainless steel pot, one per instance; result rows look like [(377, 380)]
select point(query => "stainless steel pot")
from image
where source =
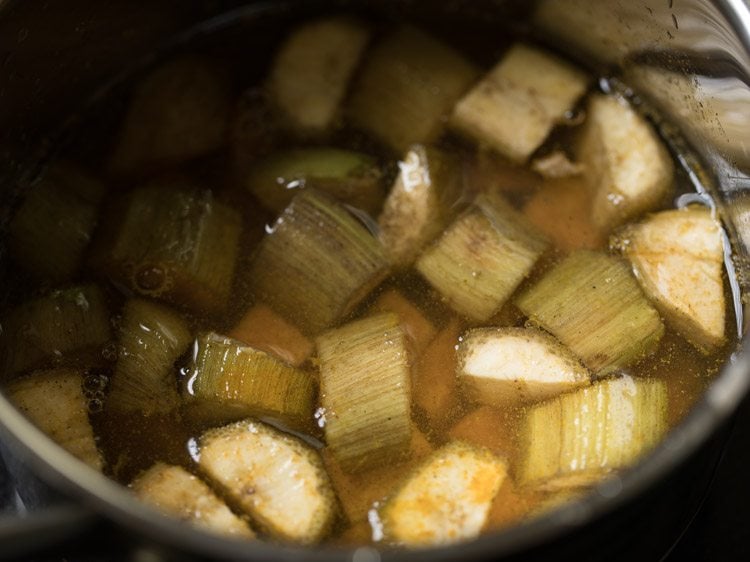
[(689, 58)]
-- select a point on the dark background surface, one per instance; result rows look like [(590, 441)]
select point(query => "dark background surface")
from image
[(721, 529)]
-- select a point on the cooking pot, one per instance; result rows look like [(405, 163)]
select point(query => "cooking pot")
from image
[(689, 60)]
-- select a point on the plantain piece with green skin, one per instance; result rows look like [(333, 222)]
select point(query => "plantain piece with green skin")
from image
[(311, 72), (592, 303), (501, 366), (516, 105), (317, 263), (577, 438), (482, 257), (152, 337), (179, 111), (407, 86), (351, 177), (236, 381), (53, 329), (446, 499), (174, 491), (422, 201), (365, 392), (277, 479), (51, 230), (173, 243), (54, 401)]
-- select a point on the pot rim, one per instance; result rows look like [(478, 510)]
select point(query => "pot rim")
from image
[(108, 498)]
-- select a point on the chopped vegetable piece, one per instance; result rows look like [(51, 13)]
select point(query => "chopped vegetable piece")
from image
[(678, 258), (592, 304), (417, 328), (313, 68), (177, 112), (173, 244), (52, 228), (54, 401), (626, 164), (152, 337), (515, 106), (265, 330), (435, 389), (488, 427), (242, 381), (408, 85), (365, 388), (575, 439), (445, 500), (47, 329), (359, 493), (561, 209), (556, 165), (278, 480), (317, 264), (506, 365), (482, 257), (176, 492), (351, 177), (421, 203)]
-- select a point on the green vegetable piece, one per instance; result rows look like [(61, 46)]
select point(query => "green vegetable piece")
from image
[(351, 177), (592, 303), (317, 263)]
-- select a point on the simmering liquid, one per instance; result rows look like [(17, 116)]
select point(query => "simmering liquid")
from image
[(242, 59)]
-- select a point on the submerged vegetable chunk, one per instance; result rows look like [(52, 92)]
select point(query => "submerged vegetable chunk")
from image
[(577, 438), (152, 337), (446, 499), (51, 230), (359, 494), (179, 111), (54, 401), (312, 70), (351, 177), (561, 209), (238, 381), (592, 304), (517, 104), (278, 480), (174, 491), (507, 365), (51, 328), (365, 392), (419, 330), (421, 203), (482, 257), (263, 329), (678, 257), (627, 167), (173, 243), (317, 263), (435, 385), (408, 84)]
